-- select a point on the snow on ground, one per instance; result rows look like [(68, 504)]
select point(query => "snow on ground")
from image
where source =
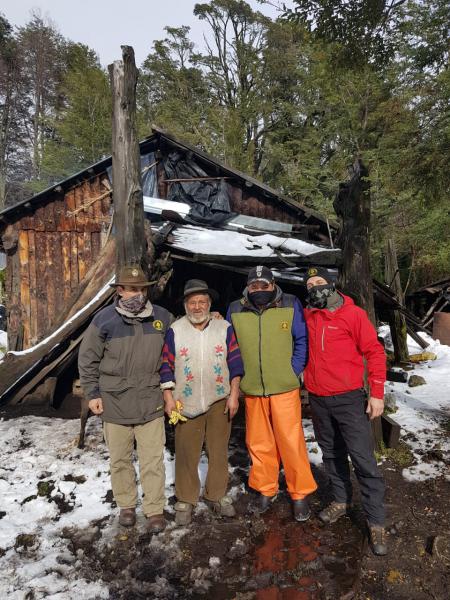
[(424, 411), (42, 474)]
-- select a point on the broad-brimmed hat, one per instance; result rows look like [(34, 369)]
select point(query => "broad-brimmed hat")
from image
[(198, 286), (132, 275)]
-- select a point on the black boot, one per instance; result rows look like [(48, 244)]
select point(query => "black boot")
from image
[(302, 512), (377, 539), (262, 504)]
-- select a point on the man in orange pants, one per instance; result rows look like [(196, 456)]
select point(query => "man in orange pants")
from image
[(272, 337)]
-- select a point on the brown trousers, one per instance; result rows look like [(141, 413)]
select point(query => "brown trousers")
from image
[(150, 438), (212, 428)]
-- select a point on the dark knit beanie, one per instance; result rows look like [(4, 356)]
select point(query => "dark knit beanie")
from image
[(318, 272)]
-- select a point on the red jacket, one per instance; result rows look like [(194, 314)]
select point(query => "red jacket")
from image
[(338, 342)]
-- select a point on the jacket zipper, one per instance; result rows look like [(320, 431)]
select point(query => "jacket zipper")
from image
[(201, 370), (260, 356), (323, 336)]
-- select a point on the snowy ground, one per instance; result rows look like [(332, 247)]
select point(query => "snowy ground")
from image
[(50, 491), (424, 411)]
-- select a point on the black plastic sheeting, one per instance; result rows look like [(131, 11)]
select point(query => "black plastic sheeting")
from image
[(149, 182), (209, 200)]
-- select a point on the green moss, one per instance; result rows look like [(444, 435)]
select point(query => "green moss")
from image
[(401, 456)]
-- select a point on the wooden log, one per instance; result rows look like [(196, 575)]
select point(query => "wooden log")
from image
[(49, 279), (397, 322), (391, 431), (41, 267), (33, 287), (65, 252), (352, 206), (82, 266), (127, 185), (25, 286), (416, 337), (69, 201), (49, 217), (73, 261)]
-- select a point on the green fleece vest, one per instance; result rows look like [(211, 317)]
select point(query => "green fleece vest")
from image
[(265, 342)]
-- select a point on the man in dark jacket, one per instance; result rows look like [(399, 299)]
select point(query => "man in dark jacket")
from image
[(341, 337), (119, 362), (271, 333)]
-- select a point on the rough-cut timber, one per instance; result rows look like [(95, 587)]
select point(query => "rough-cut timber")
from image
[(352, 206), (127, 186), (397, 321)]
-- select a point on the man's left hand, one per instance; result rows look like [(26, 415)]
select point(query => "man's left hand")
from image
[(375, 407), (232, 405)]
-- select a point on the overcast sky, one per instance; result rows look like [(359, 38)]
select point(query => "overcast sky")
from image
[(105, 25)]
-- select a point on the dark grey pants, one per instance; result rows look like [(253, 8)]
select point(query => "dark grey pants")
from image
[(342, 429)]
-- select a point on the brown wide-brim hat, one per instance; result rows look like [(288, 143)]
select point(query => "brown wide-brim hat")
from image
[(198, 286), (132, 275)]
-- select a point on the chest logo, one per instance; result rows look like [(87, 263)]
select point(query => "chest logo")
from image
[(158, 325), (284, 325)]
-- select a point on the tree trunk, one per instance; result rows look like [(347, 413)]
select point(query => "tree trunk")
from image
[(352, 206), (126, 171), (397, 322)]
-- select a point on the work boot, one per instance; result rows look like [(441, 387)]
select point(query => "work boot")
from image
[(262, 504), (377, 539), (223, 507), (302, 512), (127, 517), (156, 523), (183, 513), (333, 512)]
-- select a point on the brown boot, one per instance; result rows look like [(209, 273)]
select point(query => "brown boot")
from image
[(333, 512), (377, 539), (156, 523), (127, 517)]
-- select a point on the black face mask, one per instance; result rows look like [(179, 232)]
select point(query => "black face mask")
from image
[(319, 294), (262, 298)]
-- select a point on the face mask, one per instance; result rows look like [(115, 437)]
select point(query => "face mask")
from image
[(262, 298), (319, 294), (134, 305)]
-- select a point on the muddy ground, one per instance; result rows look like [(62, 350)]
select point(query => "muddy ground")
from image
[(272, 557)]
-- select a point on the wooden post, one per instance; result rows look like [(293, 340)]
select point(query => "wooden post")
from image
[(397, 322), (352, 206), (126, 171)]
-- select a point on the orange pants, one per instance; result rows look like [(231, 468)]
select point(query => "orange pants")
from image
[(273, 431)]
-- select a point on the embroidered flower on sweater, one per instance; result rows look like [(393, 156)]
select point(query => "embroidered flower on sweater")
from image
[(189, 377), (184, 351), (187, 390), (217, 369), (187, 370), (219, 350), (220, 390), (219, 379)]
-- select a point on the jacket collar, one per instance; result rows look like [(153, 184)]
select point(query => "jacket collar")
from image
[(248, 304), (325, 312)]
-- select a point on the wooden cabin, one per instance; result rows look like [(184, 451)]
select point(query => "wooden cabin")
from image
[(52, 240)]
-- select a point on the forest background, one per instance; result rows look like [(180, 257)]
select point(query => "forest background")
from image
[(293, 101)]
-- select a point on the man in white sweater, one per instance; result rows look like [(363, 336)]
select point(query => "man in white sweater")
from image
[(201, 369)]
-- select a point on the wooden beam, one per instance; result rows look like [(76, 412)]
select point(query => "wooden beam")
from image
[(397, 321), (126, 172)]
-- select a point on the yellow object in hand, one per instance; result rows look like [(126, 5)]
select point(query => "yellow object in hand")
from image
[(176, 415)]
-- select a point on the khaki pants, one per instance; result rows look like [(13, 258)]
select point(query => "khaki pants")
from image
[(213, 428), (150, 438)]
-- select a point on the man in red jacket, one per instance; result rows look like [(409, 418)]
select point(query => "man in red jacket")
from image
[(341, 337)]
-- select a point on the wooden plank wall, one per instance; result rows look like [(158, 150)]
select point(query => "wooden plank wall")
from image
[(54, 251)]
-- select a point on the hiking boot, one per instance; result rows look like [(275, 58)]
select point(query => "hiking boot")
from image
[(156, 524), (183, 513), (223, 507), (262, 504), (377, 539), (302, 512), (127, 517), (333, 512)]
